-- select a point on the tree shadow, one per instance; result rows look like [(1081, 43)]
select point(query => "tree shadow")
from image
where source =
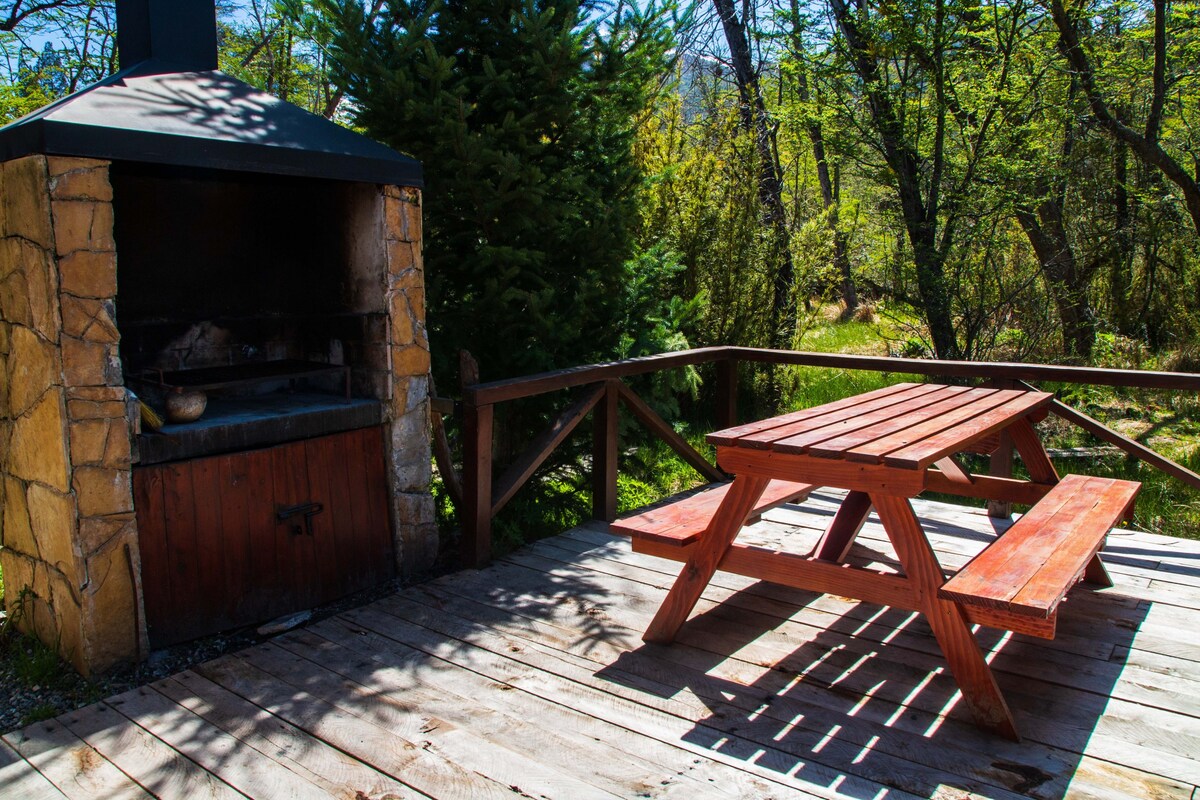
[(849, 690)]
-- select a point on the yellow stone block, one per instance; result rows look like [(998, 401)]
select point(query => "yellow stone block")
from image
[(18, 575), (39, 447), (97, 393), (102, 491), (84, 363), (14, 299), (82, 225), (412, 221), (58, 165), (34, 368), (52, 517), (29, 292), (69, 633), (416, 301), (410, 360), (399, 259), (89, 319), (18, 531), (81, 183), (110, 608), (89, 438), (88, 273), (97, 532), (402, 321), (118, 451), (91, 409), (397, 222), (25, 197)]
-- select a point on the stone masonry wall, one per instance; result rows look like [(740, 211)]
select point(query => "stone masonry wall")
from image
[(67, 525), (408, 351), (70, 550)]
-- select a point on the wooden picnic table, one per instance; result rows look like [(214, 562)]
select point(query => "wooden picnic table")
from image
[(885, 447)]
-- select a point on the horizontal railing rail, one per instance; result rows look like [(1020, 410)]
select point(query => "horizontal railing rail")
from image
[(482, 496)]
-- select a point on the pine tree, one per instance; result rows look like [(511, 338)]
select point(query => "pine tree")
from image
[(523, 115)]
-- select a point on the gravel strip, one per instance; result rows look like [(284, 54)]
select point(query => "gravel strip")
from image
[(56, 688)]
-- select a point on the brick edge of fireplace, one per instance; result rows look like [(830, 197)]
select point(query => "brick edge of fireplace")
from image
[(70, 556)]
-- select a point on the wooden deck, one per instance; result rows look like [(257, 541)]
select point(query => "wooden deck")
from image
[(529, 679)]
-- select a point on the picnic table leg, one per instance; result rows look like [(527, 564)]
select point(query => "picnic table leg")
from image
[(967, 664), (844, 528), (1096, 573), (698, 571), (1033, 453)]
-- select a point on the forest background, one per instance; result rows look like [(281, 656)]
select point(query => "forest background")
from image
[(1009, 180)]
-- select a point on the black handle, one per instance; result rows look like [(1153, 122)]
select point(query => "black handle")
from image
[(308, 510)]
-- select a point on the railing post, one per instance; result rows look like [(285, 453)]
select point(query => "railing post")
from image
[(477, 484), (727, 379), (604, 455)]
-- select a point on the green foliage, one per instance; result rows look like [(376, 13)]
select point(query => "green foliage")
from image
[(522, 115), (702, 204), (280, 46)]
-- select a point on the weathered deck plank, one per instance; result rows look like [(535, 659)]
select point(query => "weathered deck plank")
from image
[(530, 679)]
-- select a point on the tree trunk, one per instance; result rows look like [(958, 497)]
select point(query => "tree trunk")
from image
[(1143, 145), (1067, 282), (770, 174), (920, 212), (829, 199)]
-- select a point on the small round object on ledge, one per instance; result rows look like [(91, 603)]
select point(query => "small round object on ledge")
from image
[(184, 406)]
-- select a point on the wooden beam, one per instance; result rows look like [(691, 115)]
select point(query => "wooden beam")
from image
[(444, 459), (442, 406), (987, 487), (541, 448), (604, 454), (660, 428), (1135, 449), (1095, 376), (811, 574), (727, 388), (800, 572), (1000, 465), (847, 522), (477, 485), (839, 472), (531, 385)]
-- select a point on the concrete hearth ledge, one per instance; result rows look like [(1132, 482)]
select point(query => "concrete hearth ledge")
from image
[(240, 423)]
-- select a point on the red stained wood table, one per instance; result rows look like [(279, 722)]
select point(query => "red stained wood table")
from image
[(884, 447)]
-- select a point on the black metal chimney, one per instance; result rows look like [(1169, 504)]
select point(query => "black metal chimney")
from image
[(181, 34)]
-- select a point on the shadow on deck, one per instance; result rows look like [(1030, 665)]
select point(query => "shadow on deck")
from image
[(529, 678)]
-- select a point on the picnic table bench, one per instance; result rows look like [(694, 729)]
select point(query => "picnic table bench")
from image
[(885, 447)]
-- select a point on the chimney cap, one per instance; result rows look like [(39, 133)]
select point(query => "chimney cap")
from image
[(179, 34)]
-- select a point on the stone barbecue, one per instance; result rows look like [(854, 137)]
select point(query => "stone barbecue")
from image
[(143, 246)]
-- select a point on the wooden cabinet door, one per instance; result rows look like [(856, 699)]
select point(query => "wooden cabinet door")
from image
[(237, 539)]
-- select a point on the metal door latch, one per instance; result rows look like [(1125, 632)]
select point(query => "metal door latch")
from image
[(308, 510)]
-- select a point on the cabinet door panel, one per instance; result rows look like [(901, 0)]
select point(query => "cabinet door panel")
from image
[(215, 555)]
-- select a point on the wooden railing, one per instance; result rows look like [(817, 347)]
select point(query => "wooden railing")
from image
[(482, 495)]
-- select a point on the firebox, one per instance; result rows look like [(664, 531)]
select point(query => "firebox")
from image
[(174, 240)]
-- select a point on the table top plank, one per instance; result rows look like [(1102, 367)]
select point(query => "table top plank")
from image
[(949, 403), (953, 439), (946, 422), (884, 407), (849, 406)]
